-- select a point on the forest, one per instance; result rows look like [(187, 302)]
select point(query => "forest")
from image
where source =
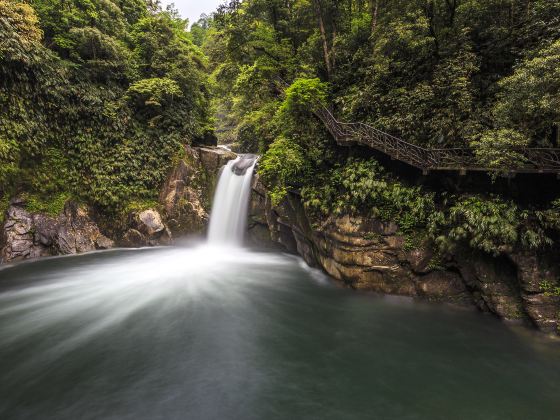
[(437, 73), (96, 99), (98, 96)]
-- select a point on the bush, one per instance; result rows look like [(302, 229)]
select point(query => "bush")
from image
[(90, 116), (362, 186), (154, 92), (303, 95), (499, 149), (282, 167), (490, 225)]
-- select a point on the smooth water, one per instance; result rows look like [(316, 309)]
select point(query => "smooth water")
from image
[(207, 333), (228, 222)]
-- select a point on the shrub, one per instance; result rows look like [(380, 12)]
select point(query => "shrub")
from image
[(154, 92), (363, 186), (499, 149), (491, 225), (283, 166), (304, 94)]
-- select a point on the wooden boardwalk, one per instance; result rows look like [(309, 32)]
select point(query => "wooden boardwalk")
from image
[(534, 160)]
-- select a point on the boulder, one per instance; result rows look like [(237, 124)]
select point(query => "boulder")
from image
[(420, 259), (213, 159), (147, 229), (150, 223), (133, 239)]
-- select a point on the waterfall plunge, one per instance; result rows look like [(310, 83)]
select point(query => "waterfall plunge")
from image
[(228, 220)]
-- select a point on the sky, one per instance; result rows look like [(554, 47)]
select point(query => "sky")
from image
[(192, 9)]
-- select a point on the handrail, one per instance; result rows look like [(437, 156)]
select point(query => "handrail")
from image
[(534, 160)]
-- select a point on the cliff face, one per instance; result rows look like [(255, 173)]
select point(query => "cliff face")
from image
[(28, 235), (184, 204), (367, 254), (188, 192)]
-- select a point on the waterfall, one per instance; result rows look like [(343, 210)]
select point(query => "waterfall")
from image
[(228, 220)]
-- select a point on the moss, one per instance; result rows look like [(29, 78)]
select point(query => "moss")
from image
[(549, 288), (52, 205), (4, 204), (141, 205)]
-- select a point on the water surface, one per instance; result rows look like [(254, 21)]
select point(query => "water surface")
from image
[(204, 333)]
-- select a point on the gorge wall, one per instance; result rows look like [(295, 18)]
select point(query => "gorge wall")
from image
[(367, 254), (360, 252), (184, 203)]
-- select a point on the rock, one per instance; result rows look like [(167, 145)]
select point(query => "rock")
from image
[(26, 235), (420, 259), (258, 231), (367, 254), (102, 242), (532, 269), (188, 192), (134, 239), (147, 228), (444, 286), (213, 159), (493, 283), (150, 223)]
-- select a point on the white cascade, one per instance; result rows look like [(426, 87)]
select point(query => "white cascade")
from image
[(228, 220)]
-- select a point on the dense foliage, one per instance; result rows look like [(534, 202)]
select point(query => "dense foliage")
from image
[(436, 72), (439, 73), (96, 98), (490, 224)]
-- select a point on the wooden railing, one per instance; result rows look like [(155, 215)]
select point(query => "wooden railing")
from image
[(532, 160)]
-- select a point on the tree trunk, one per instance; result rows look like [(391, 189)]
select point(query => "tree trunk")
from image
[(324, 40), (374, 12)]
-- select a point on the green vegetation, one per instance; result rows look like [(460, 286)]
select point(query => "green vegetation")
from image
[(486, 223), (436, 72), (52, 206), (360, 185), (96, 98), (478, 73), (550, 289)]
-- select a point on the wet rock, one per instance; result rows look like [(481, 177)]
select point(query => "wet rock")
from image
[(444, 286), (134, 239), (368, 254), (26, 235), (103, 242), (259, 234), (493, 283), (213, 158), (188, 192)]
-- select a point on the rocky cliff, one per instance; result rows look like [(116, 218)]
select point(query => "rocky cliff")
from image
[(185, 200), (367, 254), (187, 194), (26, 235)]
